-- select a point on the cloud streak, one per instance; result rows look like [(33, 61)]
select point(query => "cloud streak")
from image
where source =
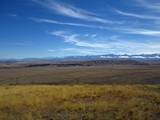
[(85, 47), (153, 5), (75, 40), (71, 11), (43, 20), (138, 31), (122, 29), (137, 15)]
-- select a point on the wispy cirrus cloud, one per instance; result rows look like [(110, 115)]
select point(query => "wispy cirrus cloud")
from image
[(140, 31), (121, 29), (152, 5), (151, 17), (51, 21), (119, 46), (75, 40), (72, 11)]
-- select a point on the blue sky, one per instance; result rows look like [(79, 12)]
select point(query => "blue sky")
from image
[(57, 28)]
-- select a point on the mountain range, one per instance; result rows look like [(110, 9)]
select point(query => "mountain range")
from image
[(89, 57)]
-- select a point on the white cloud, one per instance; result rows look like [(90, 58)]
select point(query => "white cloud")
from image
[(74, 39), (71, 11), (137, 15), (43, 20), (121, 29), (152, 5), (138, 31), (117, 46), (93, 35), (90, 35)]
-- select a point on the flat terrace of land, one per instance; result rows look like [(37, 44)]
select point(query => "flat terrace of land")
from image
[(75, 74)]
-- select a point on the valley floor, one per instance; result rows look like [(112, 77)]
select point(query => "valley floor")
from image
[(107, 74)]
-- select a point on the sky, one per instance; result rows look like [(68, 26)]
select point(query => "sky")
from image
[(59, 28)]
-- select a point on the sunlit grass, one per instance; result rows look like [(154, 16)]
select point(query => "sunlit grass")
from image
[(80, 102)]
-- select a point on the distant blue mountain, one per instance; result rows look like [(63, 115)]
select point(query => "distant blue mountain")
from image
[(89, 57)]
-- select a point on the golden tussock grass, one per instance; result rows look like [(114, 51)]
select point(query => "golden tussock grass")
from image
[(80, 102)]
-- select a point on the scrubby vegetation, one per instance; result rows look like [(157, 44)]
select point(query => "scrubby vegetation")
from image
[(109, 74), (80, 102)]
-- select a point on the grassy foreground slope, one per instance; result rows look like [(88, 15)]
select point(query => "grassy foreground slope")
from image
[(80, 102)]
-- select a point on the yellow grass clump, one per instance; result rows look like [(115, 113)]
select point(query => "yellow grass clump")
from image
[(80, 102)]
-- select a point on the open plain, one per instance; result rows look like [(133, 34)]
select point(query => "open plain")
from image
[(92, 72), (80, 91)]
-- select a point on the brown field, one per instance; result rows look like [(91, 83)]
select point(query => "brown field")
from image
[(102, 74), (73, 92)]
